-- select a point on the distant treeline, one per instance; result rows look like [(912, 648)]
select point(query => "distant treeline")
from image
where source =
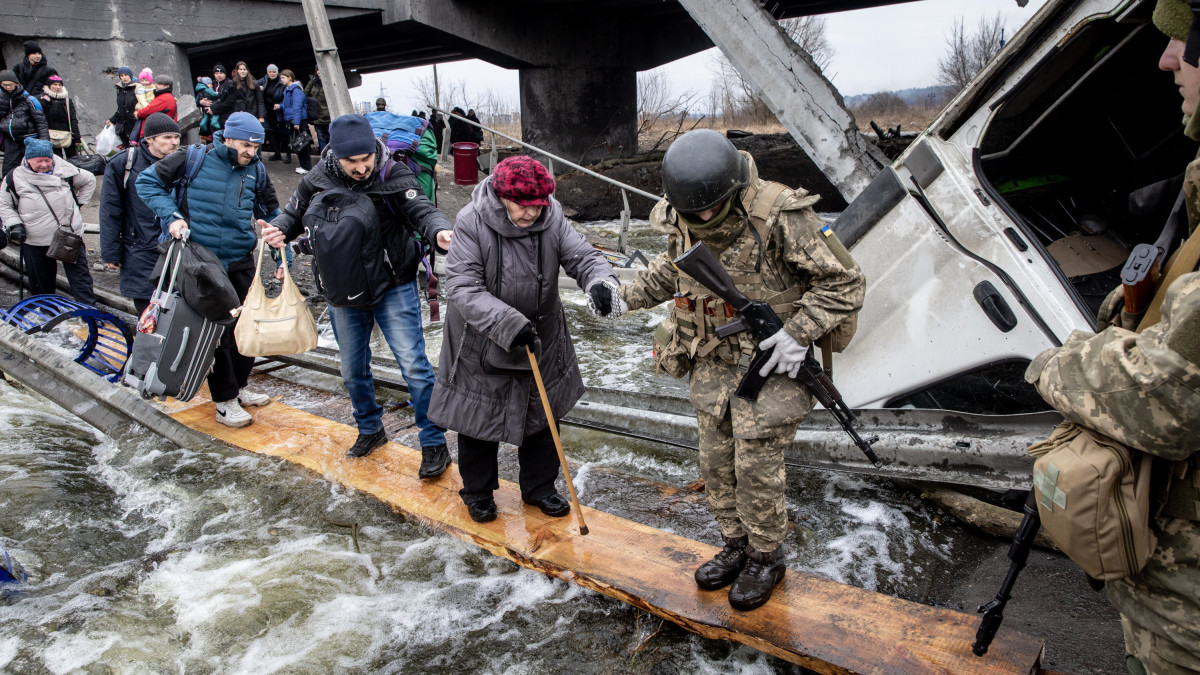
[(933, 97)]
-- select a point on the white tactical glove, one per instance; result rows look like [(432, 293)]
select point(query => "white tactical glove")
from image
[(787, 357), (604, 300)]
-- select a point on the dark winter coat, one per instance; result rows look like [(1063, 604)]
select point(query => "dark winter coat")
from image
[(34, 78), (314, 89), (272, 91), (220, 202), (460, 131), (19, 117), (124, 119), (225, 104), (294, 105), (476, 132), (507, 407), (400, 203), (58, 116), (249, 100), (129, 230), (164, 102)]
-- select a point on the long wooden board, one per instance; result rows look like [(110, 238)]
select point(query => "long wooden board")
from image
[(820, 624)]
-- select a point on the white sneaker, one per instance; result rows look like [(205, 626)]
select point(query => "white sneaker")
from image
[(247, 397), (301, 171), (231, 414)]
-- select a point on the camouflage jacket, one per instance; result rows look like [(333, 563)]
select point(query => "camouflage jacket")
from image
[(1140, 389), (795, 252)]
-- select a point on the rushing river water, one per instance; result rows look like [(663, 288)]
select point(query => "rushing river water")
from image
[(146, 558)]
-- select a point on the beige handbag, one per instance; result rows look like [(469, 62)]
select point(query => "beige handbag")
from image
[(272, 326)]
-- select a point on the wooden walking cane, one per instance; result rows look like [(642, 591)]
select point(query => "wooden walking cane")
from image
[(562, 457)]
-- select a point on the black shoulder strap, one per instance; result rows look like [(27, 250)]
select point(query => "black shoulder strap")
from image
[(8, 184)]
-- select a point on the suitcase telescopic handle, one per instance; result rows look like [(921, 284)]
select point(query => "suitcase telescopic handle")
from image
[(183, 343), (176, 245)]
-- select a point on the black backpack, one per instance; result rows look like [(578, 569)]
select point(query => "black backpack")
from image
[(312, 109), (350, 262)]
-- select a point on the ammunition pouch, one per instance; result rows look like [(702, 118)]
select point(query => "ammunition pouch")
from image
[(670, 354), (839, 337)]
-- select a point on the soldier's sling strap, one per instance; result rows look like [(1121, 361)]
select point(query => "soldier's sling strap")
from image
[(1183, 262)]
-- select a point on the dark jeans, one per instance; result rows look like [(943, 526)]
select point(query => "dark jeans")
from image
[(277, 140), (478, 468), (14, 152), (322, 137), (41, 270), (231, 370)]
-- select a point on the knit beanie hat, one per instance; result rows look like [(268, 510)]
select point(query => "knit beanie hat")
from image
[(124, 70), (523, 180), (54, 78), (164, 79), (32, 47), (218, 68), (158, 124), (272, 68), (146, 74), (1173, 18), (36, 147), (207, 81), (242, 126), (8, 76), (351, 135)]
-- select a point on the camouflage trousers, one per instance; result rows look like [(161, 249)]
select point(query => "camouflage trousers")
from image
[(1160, 606), (744, 481)]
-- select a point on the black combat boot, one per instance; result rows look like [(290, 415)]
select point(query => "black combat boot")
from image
[(724, 567), (754, 585), (434, 460)]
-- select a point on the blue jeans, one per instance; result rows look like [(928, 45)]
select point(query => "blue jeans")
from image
[(399, 317)]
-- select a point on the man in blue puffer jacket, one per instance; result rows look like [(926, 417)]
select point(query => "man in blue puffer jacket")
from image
[(219, 207)]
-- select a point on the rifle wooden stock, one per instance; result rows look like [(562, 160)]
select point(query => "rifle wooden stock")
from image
[(1140, 277)]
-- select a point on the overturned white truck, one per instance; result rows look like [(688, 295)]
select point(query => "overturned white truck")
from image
[(995, 235)]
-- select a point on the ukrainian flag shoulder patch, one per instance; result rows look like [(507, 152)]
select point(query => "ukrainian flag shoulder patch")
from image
[(825, 230)]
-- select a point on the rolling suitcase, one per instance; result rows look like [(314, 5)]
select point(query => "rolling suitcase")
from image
[(173, 357)]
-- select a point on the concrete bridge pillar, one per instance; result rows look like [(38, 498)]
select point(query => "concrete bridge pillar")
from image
[(89, 70), (580, 114)]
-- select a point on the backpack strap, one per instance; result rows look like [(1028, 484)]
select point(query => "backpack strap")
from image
[(129, 157), (8, 185), (191, 167)]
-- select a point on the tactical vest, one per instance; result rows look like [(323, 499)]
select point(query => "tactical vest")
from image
[(697, 312)]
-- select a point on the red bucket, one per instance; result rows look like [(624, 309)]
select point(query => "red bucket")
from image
[(466, 163)]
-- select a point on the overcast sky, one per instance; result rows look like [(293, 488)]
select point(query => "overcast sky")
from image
[(881, 49)]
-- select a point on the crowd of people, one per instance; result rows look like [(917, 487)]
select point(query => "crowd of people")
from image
[(1137, 384)]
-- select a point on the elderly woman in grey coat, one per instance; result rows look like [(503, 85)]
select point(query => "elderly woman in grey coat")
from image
[(502, 288)]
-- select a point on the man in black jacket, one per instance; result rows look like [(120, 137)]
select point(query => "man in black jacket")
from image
[(33, 71), (226, 101), (19, 118), (129, 230), (355, 161)]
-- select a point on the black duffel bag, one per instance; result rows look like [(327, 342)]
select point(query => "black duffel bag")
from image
[(93, 164), (202, 281)]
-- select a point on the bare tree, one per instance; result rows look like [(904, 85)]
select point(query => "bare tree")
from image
[(967, 54), (809, 33), (662, 115)]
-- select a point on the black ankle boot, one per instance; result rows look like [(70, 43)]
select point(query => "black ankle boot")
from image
[(754, 585), (366, 443), (724, 567), (434, 460)]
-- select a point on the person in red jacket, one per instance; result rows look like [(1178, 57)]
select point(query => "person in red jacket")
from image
[(164, 102)]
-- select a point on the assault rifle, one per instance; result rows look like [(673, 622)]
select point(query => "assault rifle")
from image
[(1018, 553), (762, 322)]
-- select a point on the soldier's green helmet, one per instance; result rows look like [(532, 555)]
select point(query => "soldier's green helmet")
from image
[(701, 170)]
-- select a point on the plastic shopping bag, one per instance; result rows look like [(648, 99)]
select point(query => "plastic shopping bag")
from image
[(107, 141)]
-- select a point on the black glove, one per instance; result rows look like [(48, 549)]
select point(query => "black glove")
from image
[(524, 338), (303, 245), (16, 233), (601, 296)]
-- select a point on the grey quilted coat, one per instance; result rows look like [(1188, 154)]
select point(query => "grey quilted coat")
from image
[(507, 407)]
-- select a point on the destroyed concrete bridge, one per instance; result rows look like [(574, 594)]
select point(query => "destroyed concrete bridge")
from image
[(578, 59)]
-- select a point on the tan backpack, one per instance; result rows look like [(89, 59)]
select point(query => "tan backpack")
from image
[(1093, 496)]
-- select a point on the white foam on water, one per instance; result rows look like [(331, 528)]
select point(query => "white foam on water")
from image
[(8, 650), (73, 652)]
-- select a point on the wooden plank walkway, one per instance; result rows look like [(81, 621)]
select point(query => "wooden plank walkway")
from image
[(811, 621)]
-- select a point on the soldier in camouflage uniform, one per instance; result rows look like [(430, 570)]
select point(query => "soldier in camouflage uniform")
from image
[(1143, 389), (777, 250)]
